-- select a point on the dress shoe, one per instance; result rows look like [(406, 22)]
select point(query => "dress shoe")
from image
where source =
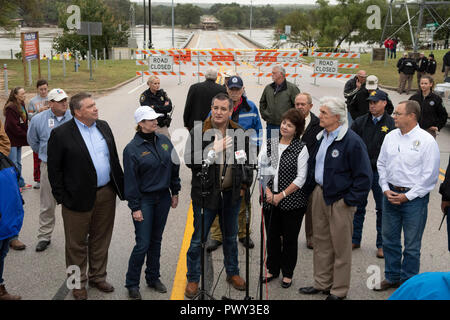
[(384, 285), (42, 245), (251, 245), (17, 245), (355, 246), (158, 286), (102, 286), (134, 294), (309, 245), (4, 295), (213, 245), (286, 285), (191, 290), (269, 278), (237, 282), (333, 297), (80, 294), (380, 253), (312, 290)]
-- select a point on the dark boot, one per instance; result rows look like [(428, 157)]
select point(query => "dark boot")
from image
[(4, 295)]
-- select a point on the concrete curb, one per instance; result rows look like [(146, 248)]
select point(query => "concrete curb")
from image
[(255, 43)]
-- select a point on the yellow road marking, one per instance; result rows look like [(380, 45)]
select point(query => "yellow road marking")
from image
[(179, 283), (442, 171), (441, 177)]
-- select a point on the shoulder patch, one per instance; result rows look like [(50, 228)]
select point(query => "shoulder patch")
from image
[(142, 99)]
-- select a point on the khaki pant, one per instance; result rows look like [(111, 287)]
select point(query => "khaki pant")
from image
[(308, 221), (403, 79), (47, 207), (419, 76), (216, 233), (98, 225), (332, 229), (446, 71)]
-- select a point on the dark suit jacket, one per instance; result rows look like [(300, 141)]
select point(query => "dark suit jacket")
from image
[(71, 171), (312, 130), (198, 101)]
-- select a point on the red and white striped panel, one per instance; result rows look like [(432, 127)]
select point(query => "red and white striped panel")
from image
[(351, 55), (287, 75), (284, 54), (327, 75), (159, 73), (215, 53), (201, 74), (217, 63), (348, 65), (271, 64), (162, 52), (141, 63)]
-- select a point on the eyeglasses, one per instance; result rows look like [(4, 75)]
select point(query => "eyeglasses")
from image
[(398, 114)]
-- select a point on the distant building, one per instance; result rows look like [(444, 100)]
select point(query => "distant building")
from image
[(209, 22)]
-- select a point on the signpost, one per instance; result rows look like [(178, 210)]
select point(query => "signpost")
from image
[(326, 66), (90, 29), (30, 51), (432, 27), (161, 63)]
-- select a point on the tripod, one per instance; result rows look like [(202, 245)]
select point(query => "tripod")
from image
[(202, 293)]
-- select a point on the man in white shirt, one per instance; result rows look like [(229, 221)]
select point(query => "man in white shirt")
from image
[(408, 166)]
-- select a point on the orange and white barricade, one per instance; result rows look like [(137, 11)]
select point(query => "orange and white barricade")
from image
[(349, 55)]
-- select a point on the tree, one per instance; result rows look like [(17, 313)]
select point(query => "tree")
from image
[(187, 14), (7, 13), (304, 33), (92, 11)]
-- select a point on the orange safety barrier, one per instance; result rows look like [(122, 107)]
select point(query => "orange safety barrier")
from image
[(327, 75), (159, 73)]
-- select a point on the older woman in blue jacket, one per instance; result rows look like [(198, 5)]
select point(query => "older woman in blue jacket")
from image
[(152, 183)]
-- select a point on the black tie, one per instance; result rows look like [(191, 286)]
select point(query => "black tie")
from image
[(375, 120)]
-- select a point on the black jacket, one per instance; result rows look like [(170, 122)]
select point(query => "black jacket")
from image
[(432, 112), (359, 106), (446, 60), (193, 157), (431, 68), (157, 101), (310, 135), (399, 63), (422, 64), (373, 134), (71, 171), (408, 66), (350, 90), (444, 189), (198, 101)]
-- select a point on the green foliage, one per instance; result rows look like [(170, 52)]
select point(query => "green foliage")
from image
[(187, 14), (92, 11)]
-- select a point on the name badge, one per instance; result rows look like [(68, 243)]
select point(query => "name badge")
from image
[(51, 123)]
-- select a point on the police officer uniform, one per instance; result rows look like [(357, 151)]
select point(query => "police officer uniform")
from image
[(157, 102)]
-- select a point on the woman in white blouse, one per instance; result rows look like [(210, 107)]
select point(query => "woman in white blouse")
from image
[(285, 160)]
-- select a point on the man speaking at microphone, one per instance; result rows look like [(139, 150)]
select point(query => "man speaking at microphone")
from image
[(212, 143)]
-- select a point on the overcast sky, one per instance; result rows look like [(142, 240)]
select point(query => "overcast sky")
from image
[(242, 2)]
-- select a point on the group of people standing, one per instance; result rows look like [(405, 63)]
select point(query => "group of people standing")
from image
[(320, 167)]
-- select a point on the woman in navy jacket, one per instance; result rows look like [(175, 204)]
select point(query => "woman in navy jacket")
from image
[(152, 183)]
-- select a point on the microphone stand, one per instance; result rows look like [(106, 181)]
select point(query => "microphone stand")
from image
[(202, 292)]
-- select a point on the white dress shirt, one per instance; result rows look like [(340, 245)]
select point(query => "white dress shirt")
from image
[(409, 160), (302, 166)]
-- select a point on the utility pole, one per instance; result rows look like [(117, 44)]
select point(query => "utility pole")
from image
[(145, 27), (173, 27), (150, 45), (251, 17), (419, 25)]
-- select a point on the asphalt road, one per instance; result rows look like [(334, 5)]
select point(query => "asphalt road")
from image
[(42, 275)]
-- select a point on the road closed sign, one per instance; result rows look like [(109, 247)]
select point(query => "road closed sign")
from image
[(161, 63), (326, 66)]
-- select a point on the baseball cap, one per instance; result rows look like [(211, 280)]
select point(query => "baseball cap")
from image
[(377, 95), (145, 113), (235, 82), (57, 95), (371, 83)]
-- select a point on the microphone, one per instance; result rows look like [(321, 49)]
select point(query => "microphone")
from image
[(240, 156), (210, 158)]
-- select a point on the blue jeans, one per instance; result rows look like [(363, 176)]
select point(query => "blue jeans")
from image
[(4, 248), (360, 214), (16, 156), (229, 225), (410, 216), (155, 208), (269, 129)]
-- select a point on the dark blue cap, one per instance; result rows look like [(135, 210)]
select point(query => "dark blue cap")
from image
[(235, 82), (377, 95)]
